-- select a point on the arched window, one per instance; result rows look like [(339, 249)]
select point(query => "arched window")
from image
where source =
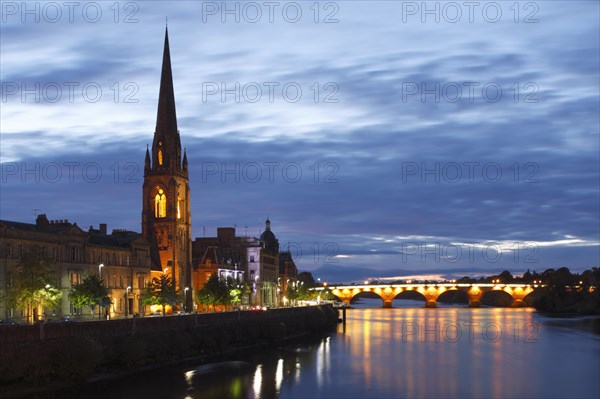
[(160, 204), (178, 207)]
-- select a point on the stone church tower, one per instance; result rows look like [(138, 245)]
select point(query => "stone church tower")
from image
[(166, 216)]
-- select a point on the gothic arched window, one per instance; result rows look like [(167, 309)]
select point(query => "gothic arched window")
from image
[(178, 207), (160, 204)]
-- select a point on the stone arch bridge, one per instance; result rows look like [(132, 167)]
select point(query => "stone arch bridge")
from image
[(432, 291)]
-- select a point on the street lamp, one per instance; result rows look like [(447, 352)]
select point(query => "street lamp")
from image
[(127, 310), (185, 291), (100, 266)]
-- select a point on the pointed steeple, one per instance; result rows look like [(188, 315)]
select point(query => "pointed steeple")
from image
[(166, 136), (147, 160), (185, 161)]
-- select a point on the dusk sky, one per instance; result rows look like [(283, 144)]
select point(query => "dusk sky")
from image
[(382, 139)]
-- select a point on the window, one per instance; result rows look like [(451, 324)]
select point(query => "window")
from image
[(121, 282), (114, 281), (21, 250), (141, 281), (8, 279), (160, 204), (75, 278), (9, 252), (160, 156), (74, 254), (251, 258), (178, 207)]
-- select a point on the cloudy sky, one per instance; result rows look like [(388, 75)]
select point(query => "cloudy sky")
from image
[(382, 138)]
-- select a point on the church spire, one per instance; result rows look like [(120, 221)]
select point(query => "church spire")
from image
[(185, 161), (166, 148), (147, 160)]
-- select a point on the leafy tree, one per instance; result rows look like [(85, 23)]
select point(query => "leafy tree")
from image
[(292, 293), (215, 292), (161, 291), (237, 291), (91, 292), (32, 288), (505, 277), (307, 279)]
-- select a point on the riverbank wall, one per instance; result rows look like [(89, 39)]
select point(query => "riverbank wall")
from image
[(72, 352)]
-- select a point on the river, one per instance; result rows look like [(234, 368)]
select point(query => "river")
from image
[(407, 351)]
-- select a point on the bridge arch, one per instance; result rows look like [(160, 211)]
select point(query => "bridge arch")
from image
[(411, 294), (497, 297), (454, 295)]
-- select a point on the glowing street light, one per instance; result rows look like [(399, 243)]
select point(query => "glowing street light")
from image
[(127, 310), (185, 293), (100, 266)]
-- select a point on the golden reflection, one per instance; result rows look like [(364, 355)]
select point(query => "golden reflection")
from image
[(257, 381), (279, 375)]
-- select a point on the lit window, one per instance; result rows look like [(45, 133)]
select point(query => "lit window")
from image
[(178, 208), (160, 157), (75, 278), (160, 204)]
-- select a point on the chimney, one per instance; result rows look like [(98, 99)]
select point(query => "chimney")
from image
[(103, 228), (42, 220)]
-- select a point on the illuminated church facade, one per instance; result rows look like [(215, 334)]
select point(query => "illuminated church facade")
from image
[(166, 216)]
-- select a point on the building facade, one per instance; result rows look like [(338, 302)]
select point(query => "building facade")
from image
[(254, 259), (122, 259)]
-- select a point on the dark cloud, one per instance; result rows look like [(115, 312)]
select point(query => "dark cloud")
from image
[(355, 195)]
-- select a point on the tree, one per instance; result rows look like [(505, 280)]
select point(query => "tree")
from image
[(161, 291), (505, 277), (215, 292), (292, 293), (32, 287), (307, 279), (237, 291), (90, 292)]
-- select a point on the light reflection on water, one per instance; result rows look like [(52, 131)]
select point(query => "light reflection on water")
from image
[(410, 352)]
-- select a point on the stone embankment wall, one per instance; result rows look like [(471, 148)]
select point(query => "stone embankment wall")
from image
[(73, 351)]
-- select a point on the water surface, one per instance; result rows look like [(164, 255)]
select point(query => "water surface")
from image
[(407, 351)]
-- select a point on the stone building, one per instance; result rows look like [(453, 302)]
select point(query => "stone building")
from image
[(121, 258), (256, 259), (288, 273)]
